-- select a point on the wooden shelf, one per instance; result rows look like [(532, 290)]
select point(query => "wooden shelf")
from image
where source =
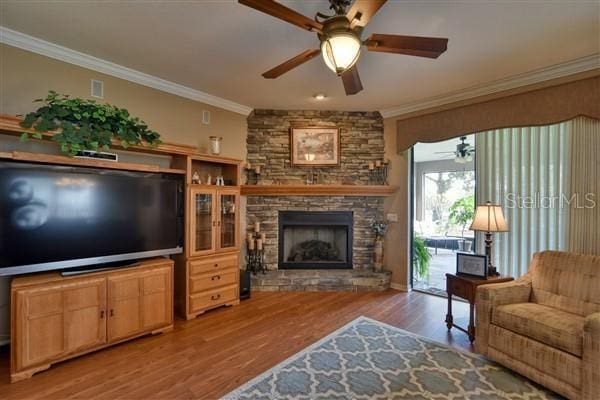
[(318, 190), (84, 162), (10, 125)]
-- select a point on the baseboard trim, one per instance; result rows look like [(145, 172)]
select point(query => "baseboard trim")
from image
[(400, 287)]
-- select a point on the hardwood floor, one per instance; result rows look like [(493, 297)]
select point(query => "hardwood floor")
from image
[(207, 357)]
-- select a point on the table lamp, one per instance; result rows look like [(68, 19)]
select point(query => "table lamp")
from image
[(489, 218)]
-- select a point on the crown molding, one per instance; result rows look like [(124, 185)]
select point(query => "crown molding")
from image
[(48, 49), (572, 67)]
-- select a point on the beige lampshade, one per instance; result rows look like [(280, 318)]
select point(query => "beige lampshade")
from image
[(489, 218)]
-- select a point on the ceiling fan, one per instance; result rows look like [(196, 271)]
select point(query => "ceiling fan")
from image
[(463, 153), (340, 38)]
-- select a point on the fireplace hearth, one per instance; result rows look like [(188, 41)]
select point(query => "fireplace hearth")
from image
[(315, 239)]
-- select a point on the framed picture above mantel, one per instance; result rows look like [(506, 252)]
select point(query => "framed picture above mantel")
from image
[(315, 146)]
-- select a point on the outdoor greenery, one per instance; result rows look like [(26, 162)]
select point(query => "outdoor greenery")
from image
[(462, 212), (86, 125), (421, 257)]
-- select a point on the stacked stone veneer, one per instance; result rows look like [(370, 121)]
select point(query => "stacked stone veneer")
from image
[(268, 144), (361, 141)]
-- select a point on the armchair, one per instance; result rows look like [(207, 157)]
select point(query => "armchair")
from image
[(546, 325)]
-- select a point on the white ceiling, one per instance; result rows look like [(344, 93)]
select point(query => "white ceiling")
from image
[(221, 47)]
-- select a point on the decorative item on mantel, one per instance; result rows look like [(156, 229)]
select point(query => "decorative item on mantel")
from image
[(196, 178), (379, 228), (378, 172), (253, 174), (255, 259), (215, 145)]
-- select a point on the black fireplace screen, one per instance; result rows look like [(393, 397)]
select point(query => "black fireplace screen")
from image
[(315, 239)]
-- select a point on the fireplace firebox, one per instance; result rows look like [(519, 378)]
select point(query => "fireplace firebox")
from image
[(315, 240)]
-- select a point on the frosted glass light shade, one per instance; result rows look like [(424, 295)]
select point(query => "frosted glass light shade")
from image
[(340, 51), (489, 218)]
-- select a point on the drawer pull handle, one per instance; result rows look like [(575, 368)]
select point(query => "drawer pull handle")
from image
[(216, 265), (216, 277), (112, 312), (102, 314), (215, 297)]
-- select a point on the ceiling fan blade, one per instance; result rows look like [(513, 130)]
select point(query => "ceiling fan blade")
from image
[(409, 45), (361, 12), (291, 63), (351, 80), (280, 11)]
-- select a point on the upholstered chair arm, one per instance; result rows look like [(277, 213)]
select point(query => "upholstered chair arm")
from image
[(591, 357), (490, 296)]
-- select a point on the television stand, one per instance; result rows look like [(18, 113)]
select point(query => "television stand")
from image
[(55, 318), (98, 268)]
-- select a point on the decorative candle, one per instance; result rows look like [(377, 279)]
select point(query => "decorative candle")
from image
[(257, 227), (257, 169), (371, 166), (249, 237), (378, 163), (259, 244), (263, 236), (251, 245)]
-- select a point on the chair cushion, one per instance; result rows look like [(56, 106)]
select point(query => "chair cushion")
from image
[(547, 325)]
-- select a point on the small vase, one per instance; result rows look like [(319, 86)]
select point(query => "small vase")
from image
[(378, 254), (215, 145)]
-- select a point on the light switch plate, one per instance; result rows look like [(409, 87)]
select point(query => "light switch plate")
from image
[(392, 217)]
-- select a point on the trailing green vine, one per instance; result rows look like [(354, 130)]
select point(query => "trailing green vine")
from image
[(86, 125)]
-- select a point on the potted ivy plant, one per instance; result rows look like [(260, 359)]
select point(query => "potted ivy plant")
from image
[(86, 125), (462, 212)]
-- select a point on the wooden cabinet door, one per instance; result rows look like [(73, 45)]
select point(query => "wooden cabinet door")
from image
[(157, 295), (139, 301), (124, 303), (85, 314), (228, 222), (202, 238), (56, 320)]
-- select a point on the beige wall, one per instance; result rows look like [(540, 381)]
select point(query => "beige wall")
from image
[(25, 76), (397, 239)]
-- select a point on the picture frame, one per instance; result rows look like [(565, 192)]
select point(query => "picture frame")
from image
[(469, 264), (315, 146)]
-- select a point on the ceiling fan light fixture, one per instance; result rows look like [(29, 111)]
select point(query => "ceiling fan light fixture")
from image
[(340, 51)]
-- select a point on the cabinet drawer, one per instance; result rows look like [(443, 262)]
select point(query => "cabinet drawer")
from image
[(458, 288), (213, 280), (213, 298), (207, 265)]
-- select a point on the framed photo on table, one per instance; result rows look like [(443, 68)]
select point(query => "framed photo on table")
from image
[(469, 264), (314, 146)]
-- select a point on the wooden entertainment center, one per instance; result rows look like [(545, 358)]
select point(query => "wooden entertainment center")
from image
[(55, 318)]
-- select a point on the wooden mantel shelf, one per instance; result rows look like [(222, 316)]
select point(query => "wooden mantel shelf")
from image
[(318, 190)]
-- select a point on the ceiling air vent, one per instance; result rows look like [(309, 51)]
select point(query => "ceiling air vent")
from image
[(97, 89)]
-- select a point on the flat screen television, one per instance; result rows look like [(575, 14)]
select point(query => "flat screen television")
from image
[(58, 217)]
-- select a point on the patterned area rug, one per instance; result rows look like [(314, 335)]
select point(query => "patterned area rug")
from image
[(367, 359)]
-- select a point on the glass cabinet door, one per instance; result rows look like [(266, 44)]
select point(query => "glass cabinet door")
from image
[(202, 221), (228, 219)]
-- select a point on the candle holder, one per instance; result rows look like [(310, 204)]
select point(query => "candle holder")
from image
[(379, 172), (252, 174), (255, 259)]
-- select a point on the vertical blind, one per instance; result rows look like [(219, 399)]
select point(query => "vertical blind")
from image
[(584, 210), (527, 171)]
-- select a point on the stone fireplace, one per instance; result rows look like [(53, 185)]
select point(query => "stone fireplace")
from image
[(315, 240)]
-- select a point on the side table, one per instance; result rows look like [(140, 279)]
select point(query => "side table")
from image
[(466, 287)]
